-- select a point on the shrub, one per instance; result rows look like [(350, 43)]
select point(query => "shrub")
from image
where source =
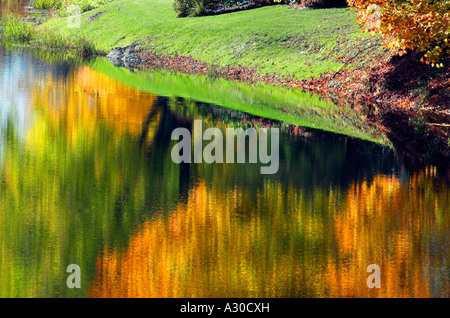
[(265, 2), (185, 8), (322, 3), (231, 3)]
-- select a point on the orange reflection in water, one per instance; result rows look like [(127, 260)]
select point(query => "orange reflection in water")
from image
[(9, 7), (205, 249), (392, 225), (89, 98)]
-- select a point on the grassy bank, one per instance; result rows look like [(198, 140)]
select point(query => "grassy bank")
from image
[(276, 39)]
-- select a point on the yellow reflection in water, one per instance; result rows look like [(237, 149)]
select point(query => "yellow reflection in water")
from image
[(89, 98), (206, 249)]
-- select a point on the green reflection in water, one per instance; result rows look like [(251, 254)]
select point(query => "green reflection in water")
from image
[(289, 105)]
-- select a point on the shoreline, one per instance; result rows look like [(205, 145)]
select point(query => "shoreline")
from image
[(421, 133), (405, 126)]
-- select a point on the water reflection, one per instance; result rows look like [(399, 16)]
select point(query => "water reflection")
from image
[(285, 245), (86, 99), (8, 7), (86, 178)]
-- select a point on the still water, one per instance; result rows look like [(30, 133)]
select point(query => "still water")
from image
[(17, 7), (86, 178)]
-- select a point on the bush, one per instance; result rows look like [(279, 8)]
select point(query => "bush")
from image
[(196, 8), (322, 3), (186, 8), (183, 7), (266, 2), (231, 3)]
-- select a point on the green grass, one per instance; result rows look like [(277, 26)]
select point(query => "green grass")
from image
[(274, 39), (280, 103), (47, 4), (85, 5), (17, 30)]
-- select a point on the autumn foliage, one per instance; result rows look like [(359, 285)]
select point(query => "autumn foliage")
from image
[(415, 25)]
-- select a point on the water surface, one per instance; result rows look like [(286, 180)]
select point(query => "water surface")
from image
[(9, 7), (86, 178)]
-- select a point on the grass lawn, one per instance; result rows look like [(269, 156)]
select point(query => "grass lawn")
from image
[(275, 39)]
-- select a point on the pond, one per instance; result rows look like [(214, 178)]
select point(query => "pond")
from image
[(8, 7), (86, 178)]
